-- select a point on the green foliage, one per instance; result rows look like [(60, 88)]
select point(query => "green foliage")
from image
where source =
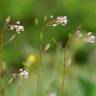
[(87, 87), (33, 15)]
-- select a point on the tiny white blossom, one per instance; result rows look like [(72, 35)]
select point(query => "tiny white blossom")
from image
[(21, 70), (15, 27), (78, 34), (89, 38), (18, 22), (12, 27), (19, 28), (24, 74), (89, 33), (62, 20)]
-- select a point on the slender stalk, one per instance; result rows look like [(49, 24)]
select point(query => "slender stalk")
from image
[(1, 92), (39, 70), (1, 66), (1, 61), (42, 51), (64, 70)]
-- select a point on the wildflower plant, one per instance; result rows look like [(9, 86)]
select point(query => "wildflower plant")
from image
[(88, 38), (60, 20), (21, 74), (17, 28), (85, 38)]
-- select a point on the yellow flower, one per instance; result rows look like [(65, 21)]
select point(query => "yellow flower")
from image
[(31, 59)]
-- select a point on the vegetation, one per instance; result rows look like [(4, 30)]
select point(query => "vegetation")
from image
[(47, 48)]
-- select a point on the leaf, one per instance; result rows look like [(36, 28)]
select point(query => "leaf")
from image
[(87, 86)]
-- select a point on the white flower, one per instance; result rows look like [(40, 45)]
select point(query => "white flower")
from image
[(21, 70), (12, 27), (18, 22), (78, 34), (23, 74), (19, 28), (89, 38), (16, 27), (89, 33), (62, 20)]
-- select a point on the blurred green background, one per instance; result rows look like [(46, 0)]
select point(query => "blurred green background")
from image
[(81, 79), (79, 12)]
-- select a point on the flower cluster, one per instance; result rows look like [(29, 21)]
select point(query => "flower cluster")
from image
[(22, 73), (89, 37), (78, 34), (60, 20), (14, 27)]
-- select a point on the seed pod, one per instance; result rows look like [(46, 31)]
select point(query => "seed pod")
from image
[(7, 20), (41, 36), (47, 47), (54, 40), (45, 18), (36, 21)]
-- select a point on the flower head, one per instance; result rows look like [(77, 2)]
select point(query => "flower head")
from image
[(78, 34), (62, 20), (23, 73), (19, 28), (89, 38), (14, 27)]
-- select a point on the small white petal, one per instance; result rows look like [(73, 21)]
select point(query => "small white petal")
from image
[(18, 22)]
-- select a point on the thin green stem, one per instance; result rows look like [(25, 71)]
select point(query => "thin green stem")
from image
[(1, 63), (40, 58), (64, 71), (1, 66), (39, 70)]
